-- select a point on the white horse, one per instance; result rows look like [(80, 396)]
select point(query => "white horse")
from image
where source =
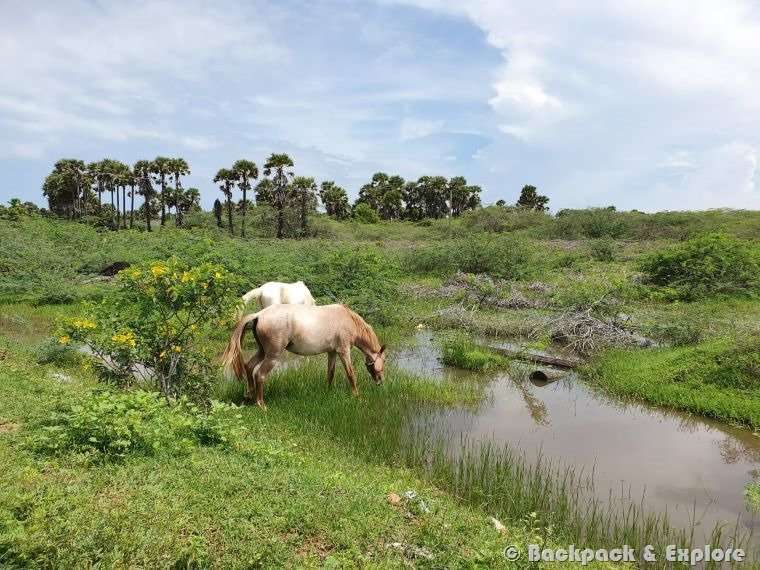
[(274, 293)]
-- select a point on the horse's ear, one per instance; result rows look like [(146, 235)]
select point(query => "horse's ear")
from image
[(382, 349)]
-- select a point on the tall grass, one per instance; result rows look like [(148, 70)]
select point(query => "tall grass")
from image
[(399, 424)]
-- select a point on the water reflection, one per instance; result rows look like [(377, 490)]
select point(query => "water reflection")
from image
[(693, 468)]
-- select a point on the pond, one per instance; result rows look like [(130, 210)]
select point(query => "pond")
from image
[(694, 469)]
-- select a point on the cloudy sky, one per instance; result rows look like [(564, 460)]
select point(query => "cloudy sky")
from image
[(638, 103)]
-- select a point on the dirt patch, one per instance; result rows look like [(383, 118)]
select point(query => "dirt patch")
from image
[(315, 545), (7, 426)]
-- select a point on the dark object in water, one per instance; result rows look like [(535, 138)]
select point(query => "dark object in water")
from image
[(114, 268), (544, 377)]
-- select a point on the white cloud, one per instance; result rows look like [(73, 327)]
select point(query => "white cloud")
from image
[(603, 92)]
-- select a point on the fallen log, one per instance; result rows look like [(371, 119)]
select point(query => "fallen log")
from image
[(538, 357)]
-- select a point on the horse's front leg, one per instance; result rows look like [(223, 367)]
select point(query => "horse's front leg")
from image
[(331, 356), (345, 358)]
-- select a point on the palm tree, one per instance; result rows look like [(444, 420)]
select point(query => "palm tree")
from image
[(188, 199), (142, 170), (278, 167), (226, 180), (160, 168), (178, 167), (335, 200), (95, 171), (218, 212), (245, 171), (305, 194)]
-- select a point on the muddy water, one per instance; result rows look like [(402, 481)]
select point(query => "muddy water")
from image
[(695, 469)]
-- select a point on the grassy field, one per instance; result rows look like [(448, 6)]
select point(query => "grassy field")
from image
[(319, 479)]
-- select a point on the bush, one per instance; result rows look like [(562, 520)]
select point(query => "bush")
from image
[(148, 326), (53, 352), (365, 214), (506, 257), (602, 250), (362, 279), (111, 425), (590, 223), (460, 351), (712, 264), (677, 333), (498, 219)]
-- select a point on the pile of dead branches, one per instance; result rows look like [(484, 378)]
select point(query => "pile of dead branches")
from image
[(584, 333)]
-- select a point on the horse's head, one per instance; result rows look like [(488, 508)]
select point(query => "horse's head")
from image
[(376, 365)]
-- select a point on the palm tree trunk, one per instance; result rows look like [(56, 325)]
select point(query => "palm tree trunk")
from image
[(132, 206), (163, 202), (118, 209), (147, 209), (229, 213), (242, 230)]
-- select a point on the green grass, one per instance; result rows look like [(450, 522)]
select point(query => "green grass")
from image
[(304, 487), (717, 378), (753, 496), (461, 352)]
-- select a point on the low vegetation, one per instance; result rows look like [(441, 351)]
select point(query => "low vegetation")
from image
[(718, 378), (460, 351), (103, 471)]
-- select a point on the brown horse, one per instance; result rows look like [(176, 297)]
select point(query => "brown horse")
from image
[(304, 330)]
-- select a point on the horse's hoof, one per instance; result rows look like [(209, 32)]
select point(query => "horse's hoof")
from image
[(262, 406)]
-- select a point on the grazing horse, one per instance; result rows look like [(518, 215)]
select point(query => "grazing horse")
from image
[(303, 330)]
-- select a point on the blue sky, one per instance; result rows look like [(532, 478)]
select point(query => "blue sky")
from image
[(642, 104)]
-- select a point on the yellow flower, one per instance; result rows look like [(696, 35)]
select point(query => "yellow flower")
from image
[(218, 275), (186, 276), (126, 338), (163, 353), (84, 324), (158, 270), (176, 348), (193, 327), (65, 339)]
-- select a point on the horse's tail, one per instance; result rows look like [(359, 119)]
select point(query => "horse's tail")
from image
[(232, 357)]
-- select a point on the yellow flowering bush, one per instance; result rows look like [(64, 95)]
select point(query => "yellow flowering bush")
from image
[(149, 326)]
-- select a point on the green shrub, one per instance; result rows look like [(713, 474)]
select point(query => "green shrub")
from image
[(149, 325), (361, 278), (460, 351), (602, 250), (499, 219), (111, 425), (506, 257), (708, 265), (365, 214), (590, 223), (53, 352), (679, 333)]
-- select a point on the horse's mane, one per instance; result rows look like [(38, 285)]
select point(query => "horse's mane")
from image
[(365, 332)]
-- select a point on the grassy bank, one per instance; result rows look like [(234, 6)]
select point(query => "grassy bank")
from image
[(718, 378), (290, 495)]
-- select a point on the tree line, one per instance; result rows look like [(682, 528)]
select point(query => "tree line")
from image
[(76, 190)]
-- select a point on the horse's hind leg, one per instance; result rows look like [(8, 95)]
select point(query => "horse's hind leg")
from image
[(250, 373), (331, 356), (260, 376)]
